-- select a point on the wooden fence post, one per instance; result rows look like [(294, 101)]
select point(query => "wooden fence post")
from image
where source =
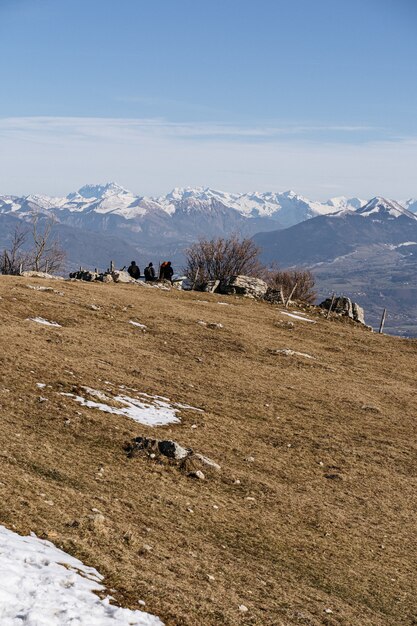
[(384, 315), (291, 295), (331, 305), (196, 276)]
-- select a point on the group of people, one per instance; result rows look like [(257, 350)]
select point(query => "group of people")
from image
[(165, 272)]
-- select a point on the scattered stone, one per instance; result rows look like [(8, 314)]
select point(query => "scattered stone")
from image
[(274, 296), (243, 608), (94, 307), (210, 577), (192, 463), (250, 459), (198, 474), (244, 285), (212, 325), (344, 306), (145, 549), (370, 408), (288, 352), (173, 450), (120, 276), (33, 274)]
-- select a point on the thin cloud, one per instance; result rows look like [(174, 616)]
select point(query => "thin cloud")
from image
[(150, 156), (133, 128)]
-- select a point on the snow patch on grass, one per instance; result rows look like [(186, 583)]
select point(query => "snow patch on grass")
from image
[(298, 317), (41, 320), (41, 585), (147, 410)]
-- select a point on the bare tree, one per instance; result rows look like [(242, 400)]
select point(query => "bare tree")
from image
[(15, 258), (286, 280), (46, 255), (220, 258)]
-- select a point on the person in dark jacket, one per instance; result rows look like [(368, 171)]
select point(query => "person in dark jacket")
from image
[(134, 270), (149, 272), (166, 272)]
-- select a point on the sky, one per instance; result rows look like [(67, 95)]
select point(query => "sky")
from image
[(319, 96)]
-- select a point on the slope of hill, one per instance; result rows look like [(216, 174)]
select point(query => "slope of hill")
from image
[(311, 518)]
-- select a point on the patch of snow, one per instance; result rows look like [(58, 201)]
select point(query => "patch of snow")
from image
[(142, 326), (41, 585), (298, 317), (41, 320), (147, 410)]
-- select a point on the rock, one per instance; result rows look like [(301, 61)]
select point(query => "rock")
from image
[(243, 608), (344, 306), (274, 296), (197, 474), (173, 450), (33, 274), (85, 275), (206, 461), (244, 285), (120, 276), (250, 459)]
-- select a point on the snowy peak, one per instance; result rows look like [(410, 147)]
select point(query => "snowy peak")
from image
[(381, 208), (91, 192)]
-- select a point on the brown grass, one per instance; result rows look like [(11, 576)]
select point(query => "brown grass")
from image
[(332, 521)]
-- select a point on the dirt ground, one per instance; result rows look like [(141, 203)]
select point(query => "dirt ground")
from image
[(312, 519)]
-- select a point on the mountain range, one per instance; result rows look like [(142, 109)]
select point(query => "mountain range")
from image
[(102, 222), (367, 249)]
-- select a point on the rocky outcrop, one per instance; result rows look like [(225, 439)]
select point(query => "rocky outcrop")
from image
[(190, 462), (344, 306), (275, 296), (244, 285), (120, 276), (33, 274)]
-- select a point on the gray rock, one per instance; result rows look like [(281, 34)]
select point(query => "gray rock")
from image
[(244, 285), (344, 306), (173, 450), (274, 296), (120, 276), (197, 474)]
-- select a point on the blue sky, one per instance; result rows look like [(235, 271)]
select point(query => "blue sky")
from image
[(315, 95)]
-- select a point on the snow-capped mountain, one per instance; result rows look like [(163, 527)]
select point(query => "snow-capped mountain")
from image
[(286, 208), (167, 224), (379, 222), (381, 208)]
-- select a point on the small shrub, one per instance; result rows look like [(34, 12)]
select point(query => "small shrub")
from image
[(287, 279), (217, 259)]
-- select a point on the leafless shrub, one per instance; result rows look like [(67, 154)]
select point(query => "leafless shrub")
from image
[(15, 258), (46, 254), (34, 248), (286, 280), (217, 259)]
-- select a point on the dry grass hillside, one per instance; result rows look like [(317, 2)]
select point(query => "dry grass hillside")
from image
[(312, 519)]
